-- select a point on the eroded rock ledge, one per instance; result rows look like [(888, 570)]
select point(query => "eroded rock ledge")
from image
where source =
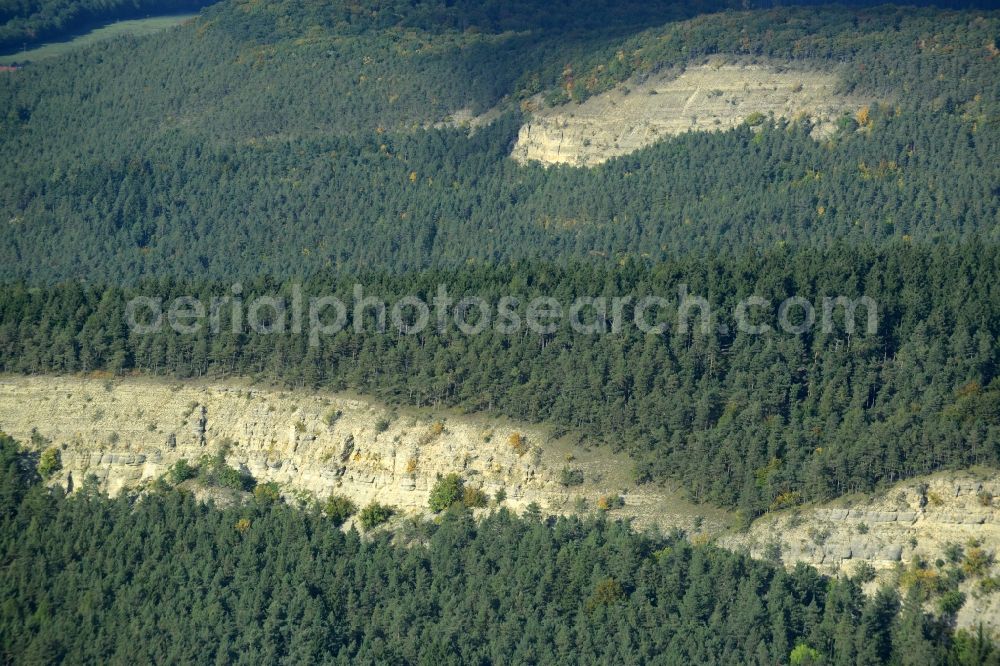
[(708, 97), (128, 432), (915, 520)]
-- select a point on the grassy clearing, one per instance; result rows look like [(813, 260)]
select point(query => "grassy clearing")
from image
[(135, 27)]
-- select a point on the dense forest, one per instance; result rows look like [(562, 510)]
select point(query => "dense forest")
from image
[(266, 149), (750, 421), (27, 22), (302, 147), (165, 579)]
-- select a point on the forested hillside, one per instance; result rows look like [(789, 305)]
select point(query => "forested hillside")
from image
[(289, 141), (751, 421), (307, 146), (287, 138), (87, 579)]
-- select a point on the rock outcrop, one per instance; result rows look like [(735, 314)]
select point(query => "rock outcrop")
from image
[(126, 433), (915, 519), (710, 97)]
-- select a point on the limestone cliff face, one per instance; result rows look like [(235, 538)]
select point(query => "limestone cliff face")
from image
[(129, 432), (914, 519), (712, 97)]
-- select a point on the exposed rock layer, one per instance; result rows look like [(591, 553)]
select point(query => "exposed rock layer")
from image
[(914, 519), (129, 432), (702, 98)]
